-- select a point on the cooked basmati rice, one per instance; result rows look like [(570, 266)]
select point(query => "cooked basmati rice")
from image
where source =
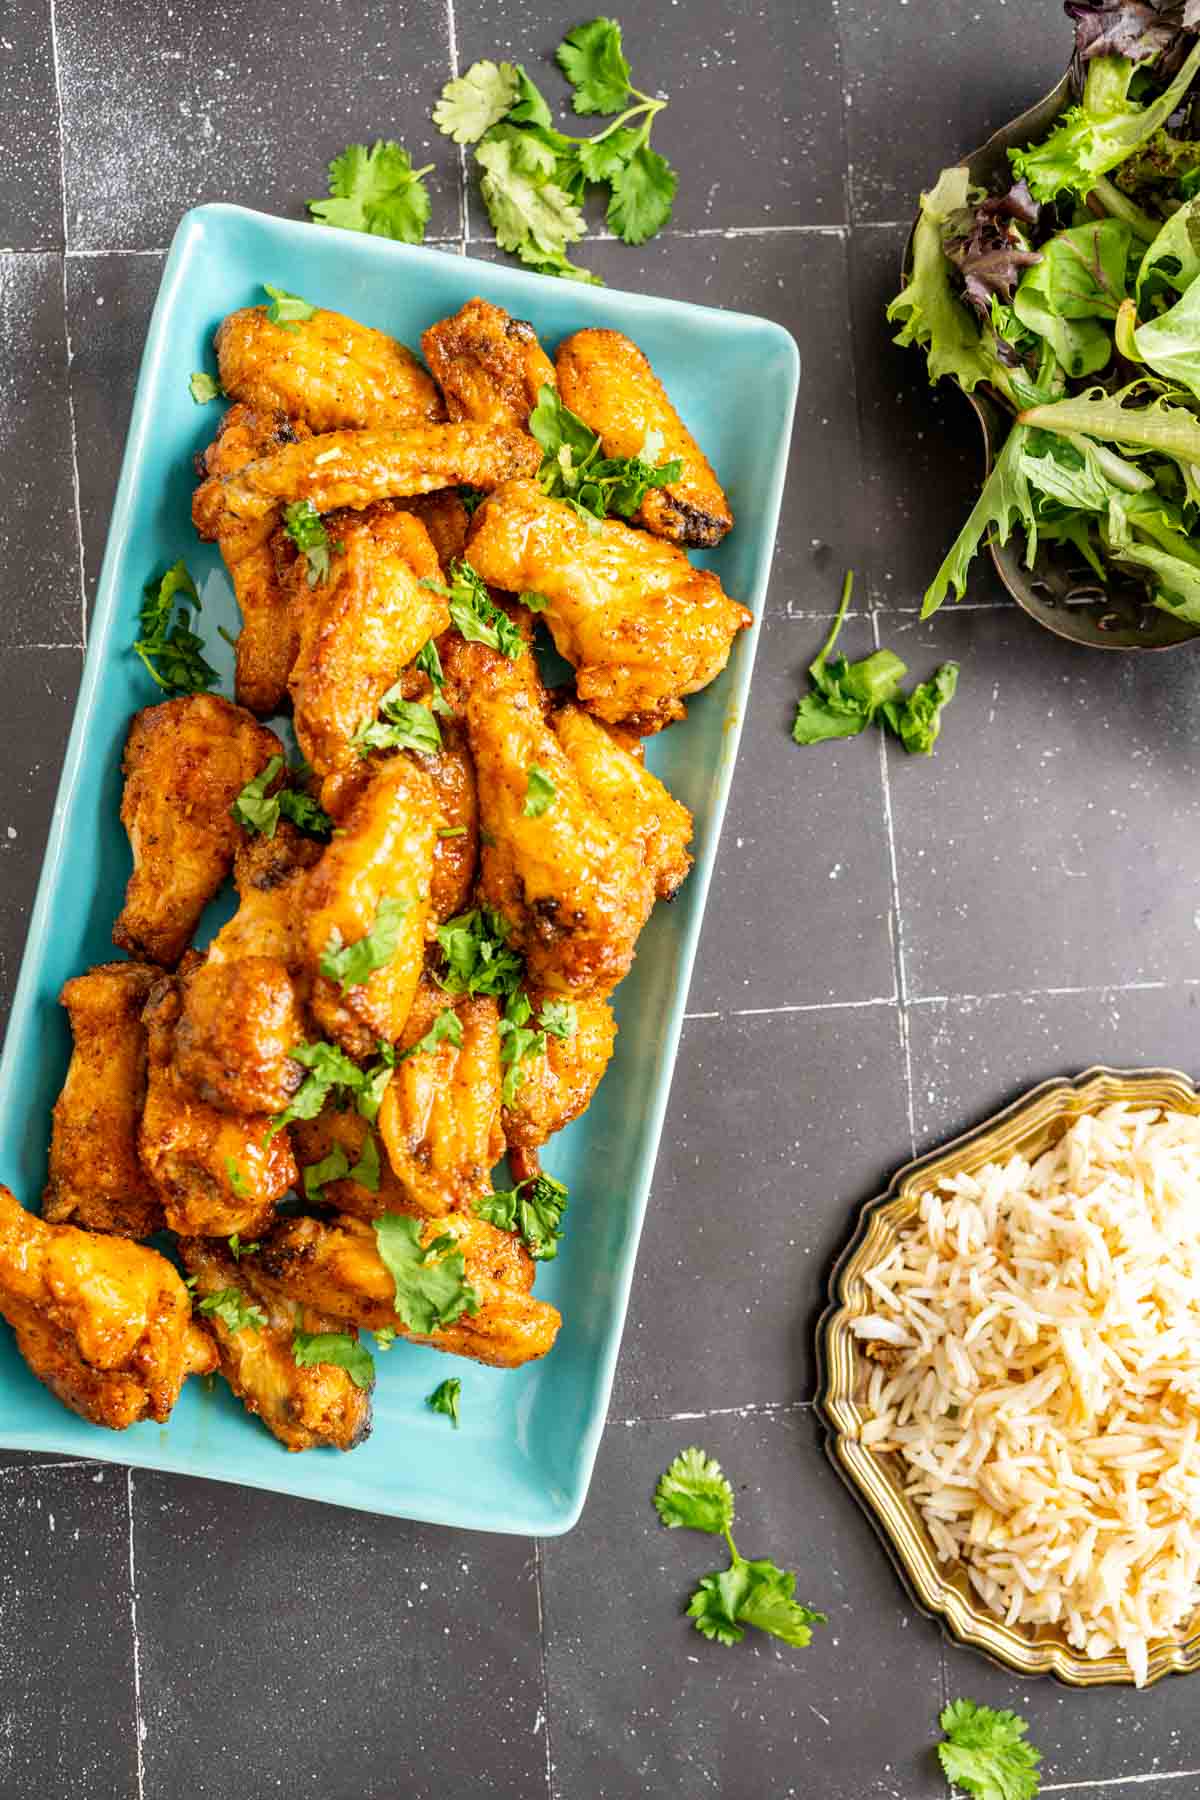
[(1038, 1374)]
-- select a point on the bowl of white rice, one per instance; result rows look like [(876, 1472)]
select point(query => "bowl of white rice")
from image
[(1010, 1378)]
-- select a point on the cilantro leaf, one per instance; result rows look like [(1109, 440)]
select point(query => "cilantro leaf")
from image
[(530, 107), (166, 644), (478, 960), (533, 1209), (475, 614), (204, 387), (287, 309), (594, 63), (385, 1337), (517, 1042), (559, 1018), (534, 601), (373, 1082), (472, 103), (237, 1249), (336, 1349), (237, 1180), (849, 696), (256, 810), (235, 1312), (377, 191), (540, 792), (430, 665), (306, 528), (333, 1167), (446, 1029), (405, 725), (643, 193), (572, 468), (985, 1752), (431, 1286), (916, 718), (693, 1492), (366, 1171), (525, 206), (328, 1068), (353, 964), (445, 1398)]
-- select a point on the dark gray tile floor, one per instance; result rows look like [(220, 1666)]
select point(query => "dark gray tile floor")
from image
[(893, 948)]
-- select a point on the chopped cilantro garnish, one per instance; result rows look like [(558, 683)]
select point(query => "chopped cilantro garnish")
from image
[(233, 1309), (336, 1349), (446, 1029), (572, 468), (431, 1286), (306, 528), (353, 964), (256, 810), (377, 191), (287, 309), (445, 1398), (533, 1209), (405, 725), (475, 614), (169, 648), (204, 388), (478, 960), (540, 792)]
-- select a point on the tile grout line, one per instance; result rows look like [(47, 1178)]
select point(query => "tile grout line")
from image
[(66, 1462), (464, 211), (62, 173), (752, 1409), (538, 1568), (138, 1722), (844, 95), (1112, 1781), (911, 1000), (896, 924)]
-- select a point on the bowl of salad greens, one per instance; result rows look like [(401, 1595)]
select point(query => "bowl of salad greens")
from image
[(1053, 276)]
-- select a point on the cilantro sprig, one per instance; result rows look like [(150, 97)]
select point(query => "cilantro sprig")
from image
[(432, 1290), (474, 613), (535, 178), (446, 1029), (256, 810), (519, 1040), (985, 1752), (166, 643), (695, 1494), (572, 468), (376, 191), (306, 528), (847, 696), (445, 1398), (336, 1166), (332, 1075), (477, 957), (233, 1309), (338, 1349), (533, 1209), (352, 965), (402, 724)]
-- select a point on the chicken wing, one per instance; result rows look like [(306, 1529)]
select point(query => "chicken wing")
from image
[(456, 856), (557, 1086), (309, 1408), (327, 370), (239, 1023), (185, 763), (268, 873), (216, 1172), (574, 892), (266, 645), (95, 1176), (337, 1267), (105, 1323), (445, 518), (374, 877), (346, 1130), (360, 627), (640, 625), (440, 1114), (608, 382), (489, 366), (632, 799)]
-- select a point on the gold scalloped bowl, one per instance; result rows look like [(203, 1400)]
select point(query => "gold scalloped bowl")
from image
[(1029, 1126)]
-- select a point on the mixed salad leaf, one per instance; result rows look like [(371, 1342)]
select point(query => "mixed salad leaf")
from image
[(1071, 297)]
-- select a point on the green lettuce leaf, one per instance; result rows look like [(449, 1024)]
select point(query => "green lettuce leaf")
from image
[(1004, 502)]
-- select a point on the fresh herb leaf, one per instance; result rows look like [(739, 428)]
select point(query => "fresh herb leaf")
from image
[(385, 1337), (985, 1752), (559, 1018), (166, 644), (533, 1209), (446, 1029), (534, 601), (472, 103), (287, 309), (431, 1286), (306, 528), (204, 387), (367, 1170), (237, 1249), (694, 1493), (258, 811), (472, 499), (572, 468), (430, 665), (540, 792), (475, 614), (452, 831), (478, 960), (527, 209), (235, 1312), (594, 63), (916, 718), (329, 1069), (333, 1167), (643, 194), (377, 191), (352, 965), (373, 1082), (517, 1042), (335, 1349), (405, 725), (445, 1398)]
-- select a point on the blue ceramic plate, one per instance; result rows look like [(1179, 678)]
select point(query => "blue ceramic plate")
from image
[(523, 1457)]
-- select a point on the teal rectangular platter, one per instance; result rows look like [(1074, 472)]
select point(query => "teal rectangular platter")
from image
[(523, 1457)]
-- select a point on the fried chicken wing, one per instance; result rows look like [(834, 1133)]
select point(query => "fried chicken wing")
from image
[(266, 645), (608, 382), (105, 1323), (95, 1176), (557, 1087), (640, 625), (353, 468), (239, 1023), (445, 518), (456, 855), (307, 1408), (488, 365), (574, 891), (268, 874), (185, 763), (629, 796), (337, 1128), (327, 370), (216, 1172), (337, 1267), (360, 627), (384, 852), (440, 1114)]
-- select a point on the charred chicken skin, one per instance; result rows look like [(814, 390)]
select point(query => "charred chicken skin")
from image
[(487, 364), (105, 1323), (96, 1179)]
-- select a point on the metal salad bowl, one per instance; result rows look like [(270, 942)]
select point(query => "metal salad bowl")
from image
[(940, 1589), (1059, 591)]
